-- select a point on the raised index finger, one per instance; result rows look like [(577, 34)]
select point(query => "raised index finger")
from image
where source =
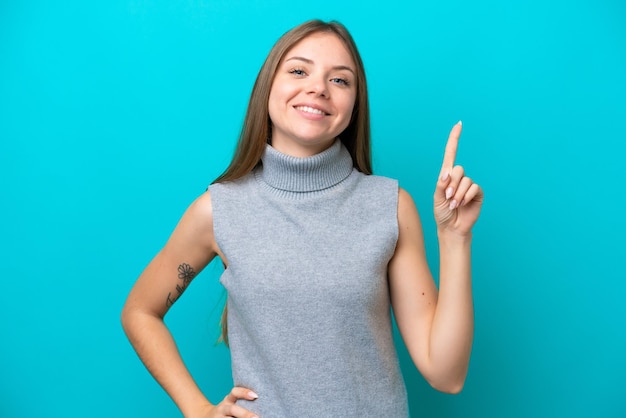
[(453, 142)]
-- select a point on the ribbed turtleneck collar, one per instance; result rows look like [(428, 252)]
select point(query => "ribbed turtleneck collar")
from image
[(308, 174)]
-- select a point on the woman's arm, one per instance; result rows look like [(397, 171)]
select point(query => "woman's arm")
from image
[(189, 249), (437, 326)]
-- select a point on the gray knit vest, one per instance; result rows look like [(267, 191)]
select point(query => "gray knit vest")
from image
[(308, 241)]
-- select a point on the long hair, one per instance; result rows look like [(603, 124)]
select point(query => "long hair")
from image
[(257, 127)]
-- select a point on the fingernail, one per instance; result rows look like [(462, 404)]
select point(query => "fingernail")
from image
[(253, 395), (445, 175), (449, 192), (453, 204), (460, 123)]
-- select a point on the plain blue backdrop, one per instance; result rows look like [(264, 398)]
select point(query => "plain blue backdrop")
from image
[(115, 115)]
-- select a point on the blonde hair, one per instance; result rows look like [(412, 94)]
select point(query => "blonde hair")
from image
[(256, 128)]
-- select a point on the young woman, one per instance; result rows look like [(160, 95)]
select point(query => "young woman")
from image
[(317, 251)]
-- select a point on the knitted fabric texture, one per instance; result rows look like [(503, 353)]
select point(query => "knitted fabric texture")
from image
[(307, 242)]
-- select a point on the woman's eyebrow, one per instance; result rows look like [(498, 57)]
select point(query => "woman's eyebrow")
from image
[(310, 61)]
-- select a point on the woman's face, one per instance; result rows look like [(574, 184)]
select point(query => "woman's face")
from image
[(312, 96)]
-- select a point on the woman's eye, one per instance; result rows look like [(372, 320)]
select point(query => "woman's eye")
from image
[(297, 71), (341, 81)]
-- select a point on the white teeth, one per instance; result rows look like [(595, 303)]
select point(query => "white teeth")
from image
[(310, 110)]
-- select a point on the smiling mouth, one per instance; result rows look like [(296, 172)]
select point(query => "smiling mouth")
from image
[(309, 109)]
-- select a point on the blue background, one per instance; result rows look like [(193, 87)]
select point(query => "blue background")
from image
[(115, 115)]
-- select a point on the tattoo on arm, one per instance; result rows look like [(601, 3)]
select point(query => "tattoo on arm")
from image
[(185, 273)]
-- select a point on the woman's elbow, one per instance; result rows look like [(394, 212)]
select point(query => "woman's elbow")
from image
[(131, 314), (452, 386), (451, 389), (126, 317)]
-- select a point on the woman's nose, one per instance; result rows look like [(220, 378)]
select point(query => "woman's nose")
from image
[(317, 86)]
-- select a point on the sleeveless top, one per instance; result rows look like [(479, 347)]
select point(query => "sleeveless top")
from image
[(307, 242)]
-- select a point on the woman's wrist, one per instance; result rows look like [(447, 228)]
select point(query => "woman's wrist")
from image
[(453, 238), (201, 410)]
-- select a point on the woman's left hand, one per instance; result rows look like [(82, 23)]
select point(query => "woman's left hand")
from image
[(457, 198)]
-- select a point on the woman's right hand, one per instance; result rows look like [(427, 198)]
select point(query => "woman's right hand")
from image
[(228, 407)]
